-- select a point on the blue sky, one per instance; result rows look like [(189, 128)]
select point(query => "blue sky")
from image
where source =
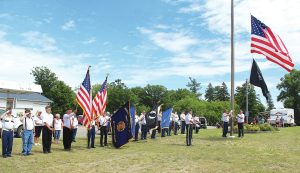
[(156, 42)]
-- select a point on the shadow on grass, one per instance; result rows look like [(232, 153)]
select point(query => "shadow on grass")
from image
[(217, 138)]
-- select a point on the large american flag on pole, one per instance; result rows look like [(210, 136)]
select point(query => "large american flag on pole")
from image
[(83, 98), (265, 42), (100, 100)]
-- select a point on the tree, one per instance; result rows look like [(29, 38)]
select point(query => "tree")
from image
[(270, 103), (221, 93), (290, 92), (62, 95), (254, 103), (153, 95), (194, 86), (209, 93)]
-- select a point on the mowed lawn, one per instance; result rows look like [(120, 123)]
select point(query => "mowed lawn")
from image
[(263, 152)]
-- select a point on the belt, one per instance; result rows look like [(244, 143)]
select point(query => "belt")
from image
[(9, 130)]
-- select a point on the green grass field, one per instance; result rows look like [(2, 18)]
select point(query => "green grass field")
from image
[(263, 152)]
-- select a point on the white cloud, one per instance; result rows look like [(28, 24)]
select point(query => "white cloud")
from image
[(68, 25), (170, 41), (90, 41), (192, 8), (39, 40)]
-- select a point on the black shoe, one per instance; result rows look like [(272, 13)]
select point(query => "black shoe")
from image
[(9, 156), (93, 147), (4, 156), (49, 151), (29, 154), (45, 152), (105, 145)]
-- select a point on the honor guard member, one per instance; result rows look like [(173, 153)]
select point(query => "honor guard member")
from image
[(241, 118), (169, 133), (159, 118), (175, 119), (7, 133), (225, 119), (144, 126), (75, 126), (182, 119), (103, 122), (137, 126), (189, 128), (91, 135), (28, 130), (68, 129), (47, 130)]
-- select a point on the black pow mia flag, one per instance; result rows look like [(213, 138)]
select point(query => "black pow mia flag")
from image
[(257, 79)]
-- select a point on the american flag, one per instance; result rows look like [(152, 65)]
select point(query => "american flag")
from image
[(265, 42), (83, 98), (100, 100)]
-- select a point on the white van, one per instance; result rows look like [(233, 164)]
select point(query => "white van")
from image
[(286, 113)]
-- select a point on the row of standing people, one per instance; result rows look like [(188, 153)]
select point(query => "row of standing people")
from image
[(184, 121), (43, 123)]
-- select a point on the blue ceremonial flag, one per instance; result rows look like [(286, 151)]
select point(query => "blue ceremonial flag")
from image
[(121, 126), (165, 120), (132, 113)]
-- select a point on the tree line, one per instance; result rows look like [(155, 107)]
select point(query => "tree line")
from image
[(215, 100)]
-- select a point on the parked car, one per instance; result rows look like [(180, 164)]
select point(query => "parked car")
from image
[(203, 122), (80, 119), (18, 125)]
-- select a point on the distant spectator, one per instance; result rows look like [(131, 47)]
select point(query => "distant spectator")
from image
[(277, 121), (75, 127), (282, 121), (57, 128), (38, 123)]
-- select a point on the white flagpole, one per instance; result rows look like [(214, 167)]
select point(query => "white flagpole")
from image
[(232, 68)]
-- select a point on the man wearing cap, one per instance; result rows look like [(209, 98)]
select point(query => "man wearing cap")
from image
[(7, 133), (68, 129), (28, 130), (47, 130)]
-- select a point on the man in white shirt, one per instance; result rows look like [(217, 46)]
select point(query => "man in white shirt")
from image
[(75, 126), (144, 126), (225, 118), (137, 126), (240, 119), (189, 128), (28, 130), (7, 133), (47, 118), (68, 129), (103, 122), (175, 120), (182, 119)]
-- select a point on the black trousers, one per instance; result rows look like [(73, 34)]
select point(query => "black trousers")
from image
[(159, 128), (144, 132), (241, 129), (153, 134), (67, 137), (182, 127), (225, 129), (163, 132), (197, 129), (103, 132), (189, 134), (91, 137), (175, 128), (46, 139), (136, 132)]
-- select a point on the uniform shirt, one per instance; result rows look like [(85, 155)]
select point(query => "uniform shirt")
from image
[(188, 119), (28, 123), (38, 121), (143, 119), (47, 118), (68, 120), (75, 123), (136, 117), (93, 123), (182, 117), (7, 123), (175, 118), (225, 117), (57, 124), (103, 120), (241, 118)]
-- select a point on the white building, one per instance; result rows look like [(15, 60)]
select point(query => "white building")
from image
[(18, 102)]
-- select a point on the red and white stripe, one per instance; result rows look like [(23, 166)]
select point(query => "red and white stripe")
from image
[(273, 48), (84, 100), (99, 104)]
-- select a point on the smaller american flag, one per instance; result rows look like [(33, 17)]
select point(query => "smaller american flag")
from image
[(100, 100), (83, 98), (265, 42)]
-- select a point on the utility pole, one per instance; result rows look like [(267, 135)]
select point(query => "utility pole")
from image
[(247, 109), (232, 68)]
